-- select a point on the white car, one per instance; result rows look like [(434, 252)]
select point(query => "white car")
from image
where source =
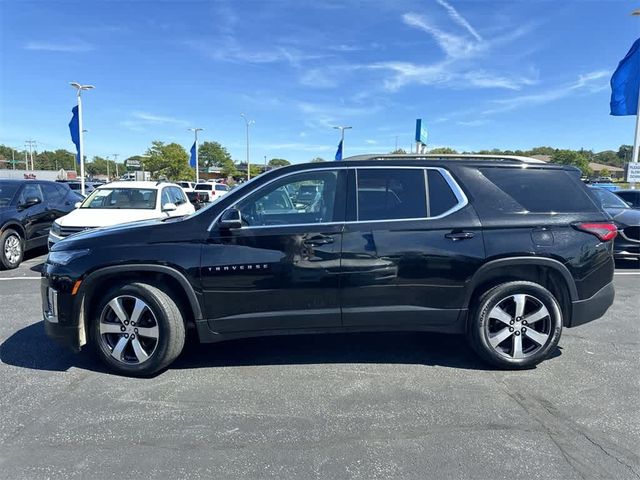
[(122, 202), (187, 186), (214, 190)]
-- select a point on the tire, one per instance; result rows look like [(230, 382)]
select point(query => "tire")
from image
[(117, 326), (515, 325), (11, 249)]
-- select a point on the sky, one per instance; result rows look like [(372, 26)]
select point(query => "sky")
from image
[(481, 74)]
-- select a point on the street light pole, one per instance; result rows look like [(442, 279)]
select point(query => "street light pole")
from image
[(79, 88), (115, 156), (195, 131), (247, 122), (342, 129)]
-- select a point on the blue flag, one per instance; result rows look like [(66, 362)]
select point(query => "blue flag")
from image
[(625, 83), (74, 129), (192, 161), (339, 151)]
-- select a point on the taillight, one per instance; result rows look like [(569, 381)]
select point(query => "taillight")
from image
[(604, 231)]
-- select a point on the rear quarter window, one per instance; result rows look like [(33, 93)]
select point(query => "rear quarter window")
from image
[(533, 190)]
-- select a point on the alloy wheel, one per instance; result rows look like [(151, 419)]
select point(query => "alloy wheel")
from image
[(518, 326), (12, 249), (129, 329)]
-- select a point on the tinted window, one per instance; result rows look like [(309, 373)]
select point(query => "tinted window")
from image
[(632, 197), (278, 203), (608, 199), (177, 196), (441, 197), (54, 193), (222, 188), (30, 190), (7, 192), (537, 191), (204, 186), (385, 194)]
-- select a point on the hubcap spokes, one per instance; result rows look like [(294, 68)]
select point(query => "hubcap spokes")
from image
[(12, 249), (518, 326), (129, 329)]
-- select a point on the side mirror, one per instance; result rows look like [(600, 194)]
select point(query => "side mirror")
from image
[(30, 202), (231, 218), (630, 204), (169, 207)]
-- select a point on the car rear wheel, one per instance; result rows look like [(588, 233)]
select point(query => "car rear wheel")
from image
[(137, 329), (516, 325), (12, 249)]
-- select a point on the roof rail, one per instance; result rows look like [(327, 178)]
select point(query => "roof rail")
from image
[(446, 156)]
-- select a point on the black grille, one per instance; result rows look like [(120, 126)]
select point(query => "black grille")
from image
[(632, 233), (66, 231)]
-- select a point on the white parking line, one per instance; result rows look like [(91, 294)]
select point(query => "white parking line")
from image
[(626, 273), (21, 278)]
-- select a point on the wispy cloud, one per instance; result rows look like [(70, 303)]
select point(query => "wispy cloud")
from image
[(141, 121), (76, 46), (459, 19), (586, 83), (453, 45)]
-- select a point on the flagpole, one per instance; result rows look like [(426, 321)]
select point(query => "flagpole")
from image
[(636, 139), (79, 89), (342, 129), (195, 131)]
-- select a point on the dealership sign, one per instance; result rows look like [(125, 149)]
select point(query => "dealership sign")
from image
[(633, 172), (421, 132)]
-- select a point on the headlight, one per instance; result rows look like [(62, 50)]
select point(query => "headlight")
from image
[(55, 228), (65, 256)]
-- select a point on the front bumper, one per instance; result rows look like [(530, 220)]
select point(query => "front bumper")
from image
[(60, 315), (590, 309)]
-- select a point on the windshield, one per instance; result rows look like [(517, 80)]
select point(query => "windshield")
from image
[(608, 199), (116, 198), (204, 186), (7, 192)]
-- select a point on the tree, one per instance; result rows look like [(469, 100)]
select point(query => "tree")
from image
[(255, 170), (571, 157), (317, 160), (169, 161), (213, 154), (625, 152), (443, 151), (608, 157), (279, 162), (605, 172), (540, 151), (399, 151)]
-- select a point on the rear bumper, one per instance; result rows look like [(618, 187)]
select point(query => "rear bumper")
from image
[(590, 309)]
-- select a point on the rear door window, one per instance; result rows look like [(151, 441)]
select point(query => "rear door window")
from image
[(441, 197), (391, 193)]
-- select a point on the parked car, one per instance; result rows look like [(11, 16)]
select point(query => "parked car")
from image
[(212, 189), (27, 210), (187, 186), (627, 220), (122, 202), (198, 199), (507, 255), (76, 186), (632, 197)]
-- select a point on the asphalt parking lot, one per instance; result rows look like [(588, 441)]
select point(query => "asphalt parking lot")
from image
[(358, 406)]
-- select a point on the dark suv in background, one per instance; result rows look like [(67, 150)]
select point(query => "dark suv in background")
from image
[(27, 210), (504, 251)]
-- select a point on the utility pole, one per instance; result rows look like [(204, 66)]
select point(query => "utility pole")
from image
[(30, 144), (115, 156), (265, 163), (247, 122), (13, 158)]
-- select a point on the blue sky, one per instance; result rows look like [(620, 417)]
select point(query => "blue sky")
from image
[(482, 74)]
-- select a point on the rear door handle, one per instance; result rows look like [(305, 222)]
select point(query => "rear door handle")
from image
[(455, 236), (319, 240)]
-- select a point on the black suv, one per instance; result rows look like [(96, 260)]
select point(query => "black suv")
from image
[(504, 251), (27, 210)]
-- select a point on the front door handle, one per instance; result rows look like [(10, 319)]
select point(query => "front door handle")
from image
[(455, 236), (317, 241)]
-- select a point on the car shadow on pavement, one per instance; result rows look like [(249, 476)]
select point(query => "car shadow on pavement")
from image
[(31, 348)]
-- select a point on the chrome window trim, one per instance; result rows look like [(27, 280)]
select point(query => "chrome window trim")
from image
[(426, 192), (463, 201)]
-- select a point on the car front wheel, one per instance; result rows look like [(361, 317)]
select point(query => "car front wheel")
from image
[(137, 329), (516, 325), (12, 249)]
